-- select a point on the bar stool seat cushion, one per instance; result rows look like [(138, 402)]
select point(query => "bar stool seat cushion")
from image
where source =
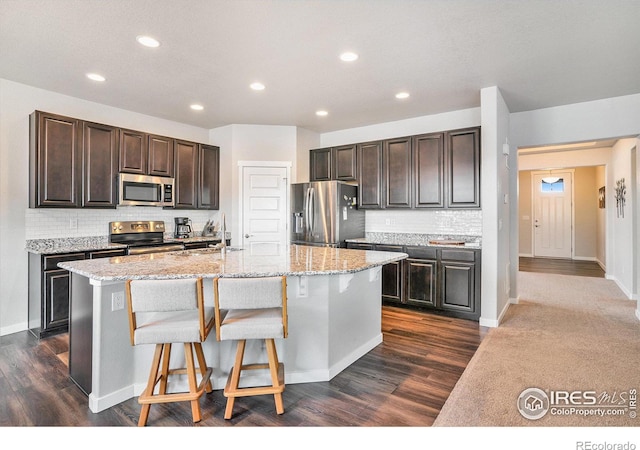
[(161, 327), (252, 324)]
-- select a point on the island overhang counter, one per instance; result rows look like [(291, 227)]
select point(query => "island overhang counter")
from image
[(334, 309)]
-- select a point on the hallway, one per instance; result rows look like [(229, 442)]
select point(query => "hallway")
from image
[(561, 266)]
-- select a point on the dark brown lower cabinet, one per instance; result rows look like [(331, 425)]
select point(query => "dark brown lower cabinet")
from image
[(446, 281), (391, 275), (421, 282), (49, 290)]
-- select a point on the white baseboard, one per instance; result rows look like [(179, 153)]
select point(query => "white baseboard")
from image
[(622, 287), (585, 258), (16, 328), (494, 323), (525, 255)]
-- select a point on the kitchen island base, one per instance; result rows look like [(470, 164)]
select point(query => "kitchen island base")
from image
[(333, 321)]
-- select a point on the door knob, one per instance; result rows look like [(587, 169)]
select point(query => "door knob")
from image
[(248, 235)]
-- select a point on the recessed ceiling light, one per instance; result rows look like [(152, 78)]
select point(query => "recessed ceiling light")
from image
[(197, 107), (348, 56), (257, 86), (148, 41), (402, 95), (95, 77), (322, 113)]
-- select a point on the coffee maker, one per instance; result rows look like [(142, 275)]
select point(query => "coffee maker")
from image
[(183, 229)]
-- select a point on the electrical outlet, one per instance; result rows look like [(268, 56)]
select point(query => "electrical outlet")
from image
[(73, 223), (117, 301)]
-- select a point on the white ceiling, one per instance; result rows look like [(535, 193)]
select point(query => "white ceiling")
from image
[(540, 53)]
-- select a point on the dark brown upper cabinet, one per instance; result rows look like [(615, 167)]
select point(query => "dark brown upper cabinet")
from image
[(100, 165), (397, 163), (146, 154), (320, 164), (197, 181), (463, 168), (160, 159), (345, 160), (186, 170), (56, 161), (370, 175), (133, 152), (428, 165), (209, 177), (333, 163)]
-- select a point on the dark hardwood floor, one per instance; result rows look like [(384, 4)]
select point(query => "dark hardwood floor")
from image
[(561, 266), (402, 382)]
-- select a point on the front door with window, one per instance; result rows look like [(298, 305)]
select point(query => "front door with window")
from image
[(552, 200)]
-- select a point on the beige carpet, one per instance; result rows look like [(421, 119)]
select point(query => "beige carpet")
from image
[(567, 333)]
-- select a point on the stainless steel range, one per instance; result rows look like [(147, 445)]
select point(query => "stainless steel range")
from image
[(141, 237)]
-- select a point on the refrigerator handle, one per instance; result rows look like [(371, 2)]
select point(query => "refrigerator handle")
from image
[(311, 211), (306, 210)]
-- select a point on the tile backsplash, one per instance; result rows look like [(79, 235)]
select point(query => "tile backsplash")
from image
[(467, 222), (45, 223)]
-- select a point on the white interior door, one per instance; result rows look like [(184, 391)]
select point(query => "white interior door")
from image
[(264, 209), (553, 215)]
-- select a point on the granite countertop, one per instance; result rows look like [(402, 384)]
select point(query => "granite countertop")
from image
[(298, 260), (422, 240), (70, 245), (88, 243)]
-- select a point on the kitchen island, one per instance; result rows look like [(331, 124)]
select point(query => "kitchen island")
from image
[(334, 311)]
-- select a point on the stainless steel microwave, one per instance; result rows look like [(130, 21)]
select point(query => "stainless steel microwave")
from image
[(145, 190)]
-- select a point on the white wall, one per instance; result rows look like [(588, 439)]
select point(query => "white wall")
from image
[(250, 143), (601, 225), (425, 124), (495, 178), (617, 117), (17, 101), (620, 267)]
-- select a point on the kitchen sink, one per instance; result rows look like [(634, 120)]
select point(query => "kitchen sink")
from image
[(204, 251)]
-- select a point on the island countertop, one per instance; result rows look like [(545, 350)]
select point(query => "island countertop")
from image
[(297, 260)]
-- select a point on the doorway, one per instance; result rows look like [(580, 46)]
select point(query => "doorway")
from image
[(264, 203), (553, 214)]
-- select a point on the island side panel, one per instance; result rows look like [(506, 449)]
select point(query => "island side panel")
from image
[(355, 317), (81, 332), (114, 367)]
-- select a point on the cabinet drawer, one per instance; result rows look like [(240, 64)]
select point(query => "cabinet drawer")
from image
[(51, 262), (458, 255), (107, 253), (422, 252), (389, 248), (358, 246)]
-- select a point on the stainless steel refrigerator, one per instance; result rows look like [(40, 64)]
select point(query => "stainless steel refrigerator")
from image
[(325, 213)]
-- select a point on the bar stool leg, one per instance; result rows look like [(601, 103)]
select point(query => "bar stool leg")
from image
[(153, 375), (164, 374), (193, 385), (202, 364), (234, 380), (273, 368)]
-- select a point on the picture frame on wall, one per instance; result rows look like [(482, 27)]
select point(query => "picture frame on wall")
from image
[(601, 197)]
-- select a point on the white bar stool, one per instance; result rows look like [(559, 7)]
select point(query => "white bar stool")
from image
[(256, 308), (163, 312)]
